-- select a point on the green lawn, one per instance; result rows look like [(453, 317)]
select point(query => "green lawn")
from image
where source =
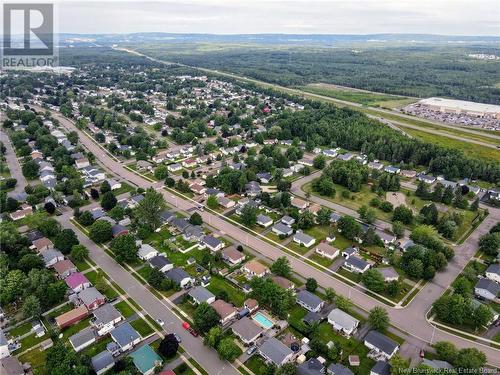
[(141, 326), (75, 328), (37, 359), (97, 347), (92, 276), (125, 309), (82, 266), (144, 271), (257, 365), (184, 369), (218, 284), (325, 262), (20, 330), (30, 341), (124, 189), (300, 249), (319, 232)]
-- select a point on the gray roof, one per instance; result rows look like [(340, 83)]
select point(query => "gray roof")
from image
[(137, 198), (82, 337), (180, 223), (437, 364), (382, 342), (201, 294), (338, 369), (381, 368), (263, 219), (494, 268), (246, 328), (211, 241), (489, 285), (308, 298), (159, 261), (282, 228), (311, 367), (89, 295), (11, 366), (177, 275), (275, 350), (102, 360), (166, 216), (311, 317), (124, 334), (287, 219), (51, 254), (3, 339), (193, 231), (357, 262), (388, 272), (105, 314), (302, 237), (343, 319), (117, 228)]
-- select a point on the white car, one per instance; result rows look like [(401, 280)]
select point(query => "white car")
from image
[(160, 322)]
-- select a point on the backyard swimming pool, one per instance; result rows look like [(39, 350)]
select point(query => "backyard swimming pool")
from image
[(263, 320)]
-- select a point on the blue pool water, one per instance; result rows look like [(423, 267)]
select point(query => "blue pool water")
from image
[(263, 320)]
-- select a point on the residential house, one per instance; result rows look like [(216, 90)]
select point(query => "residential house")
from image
[(4, 345), (11, 366), (42, 244), (342, 322), (64, 268), (125, 336), (252, 189), (338, 369), (427, 178), (21, 213), (247, 330), (51, 257), (381, 368), (146, 360), (264, 177), (356, 264), (438, 366), (200, 294), (77, 282), (146, 252), (264, 221), (180, 277), (375, 165), (288, 220), (327, 251), (408, 173), (310, 301), (493, 272), (274, 351), (105, 319), (303, 239), (387, 238), (175, 167), (299, 203), (251, 305), (254, 268), (91, 298), (135, 200), (118, 230), (189, 163), (313, 366), (391, 169), (211, 243), (82, 339), (487, 289), (161, 262), (389, 274), (225, 310), (82, 163), (71, 317), (226, 202), (306, 161), (114, 184), (102, 362), (143, 165), (283, 282), (281, 229), (233, 256), (381, 346)]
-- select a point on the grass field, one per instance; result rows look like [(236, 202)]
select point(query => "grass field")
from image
[(125, 309), (218, 284)]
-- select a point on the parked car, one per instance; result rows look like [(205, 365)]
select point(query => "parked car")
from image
[(160, 322), (251, 350)]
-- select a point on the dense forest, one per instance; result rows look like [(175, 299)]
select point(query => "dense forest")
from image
[(420, 71)]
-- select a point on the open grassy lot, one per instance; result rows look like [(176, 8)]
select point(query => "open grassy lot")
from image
[(37, 360), (20, 330), (325, 262), (219, 284), (75, 328)]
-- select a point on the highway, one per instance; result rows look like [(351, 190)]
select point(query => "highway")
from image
[(410, 319)]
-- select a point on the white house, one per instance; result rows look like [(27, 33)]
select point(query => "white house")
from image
[(146, 252), (106, 317), (309, 301), (303, 239), (493, 272), (327, 251), (342, 322), (355, 264), (175, 167)]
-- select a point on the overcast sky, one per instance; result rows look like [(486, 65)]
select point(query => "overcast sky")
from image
[(452, 17)]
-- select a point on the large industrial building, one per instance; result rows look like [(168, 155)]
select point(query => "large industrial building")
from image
[(461, 107)]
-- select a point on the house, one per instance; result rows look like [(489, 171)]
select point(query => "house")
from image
[(274, 351), (114, 184), (11, 366), (299, 203), (375, 165), (225, 310), (189, 163), (71, 317), (338, 369), (64, 268), (175, 167), (427, 179), (51, 257), (254, 268), (283, 282), (381, 368), (161, 262), (105, 318), (82, 339), (288, 220), (143, 165), (251, 305), (408, 173), (180, 277), (42, 244), (24, 211), (487, 289), (211, 243), (247, 330), (310, 301), (327, 251), (135, 200), (102, 362), (334, 217), (252, 189), (436, 364), (281, 229), (193, 233), (391, 169), (314, 209), (77, 282), (287, 172), (4, 345), (306, 161), (387, 238), (146, 360), (146, 252), (342, 322), (118, 230), (381, 346), (303, 239), (346, 157), (167, 216), (313, 366), (264, 177), (225, 202), (82, 163), (405, 244), (91, 298), (493, 272), (198, 189), (264, 221), (125, 336), (356, 264), (200, 294), (233, 256), (389, 274)]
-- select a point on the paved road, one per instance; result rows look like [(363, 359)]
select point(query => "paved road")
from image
[(410, 319), (13, 163)]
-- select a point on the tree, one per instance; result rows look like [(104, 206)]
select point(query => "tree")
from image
[(399, 365), (86, 219), (79, 253), (205, 317), (155, 278), (374, 280), (50, 208), (367, 214), (446, 351), (161, 172), (65, 240), (94, 193), (378, 319), (30, 170), (100, 231), (306, 220), (462, 286), (287, 369), (415, 269), (212, 202), (105, 187), (311, 284), (489, 243), (108, 201), (213, 337), (249, 216), (398, 229), (447, 195), (349, 227), (168, 346), (281, 267), (196, 219), (470, 358), (475, 205), (30, 261), (61, 361), (117, 213), (124, 248), (393, 288), (228, 349), (323, 217), (330, 295), (31, 307), (148, 211), (50, 227), (403, 214), (319, 162)]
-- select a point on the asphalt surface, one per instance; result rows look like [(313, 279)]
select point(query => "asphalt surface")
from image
[(13, 163)]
